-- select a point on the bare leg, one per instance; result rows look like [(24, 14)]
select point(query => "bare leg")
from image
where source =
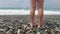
[(32, 12), (40, 12)]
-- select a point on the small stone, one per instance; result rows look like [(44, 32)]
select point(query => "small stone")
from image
[(57, 29), (10, 31), (46, 30), (30, 32), (2, 31), (52, 31), (19, 31), (38, 32)]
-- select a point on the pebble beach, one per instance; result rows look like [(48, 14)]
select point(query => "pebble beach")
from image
[(20, 24)]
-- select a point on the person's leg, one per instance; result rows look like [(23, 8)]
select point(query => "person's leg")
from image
[(32, 11), (40, 12)]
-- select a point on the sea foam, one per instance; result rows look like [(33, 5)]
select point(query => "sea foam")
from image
[(26, 12)]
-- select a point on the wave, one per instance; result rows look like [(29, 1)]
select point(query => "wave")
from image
[(26, 12)]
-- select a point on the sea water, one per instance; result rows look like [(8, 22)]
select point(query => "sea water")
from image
[(27, 11)]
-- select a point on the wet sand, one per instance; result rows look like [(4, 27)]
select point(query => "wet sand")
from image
[(20, 24)]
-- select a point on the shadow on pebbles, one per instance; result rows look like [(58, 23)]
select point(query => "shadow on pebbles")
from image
[(20, 24)]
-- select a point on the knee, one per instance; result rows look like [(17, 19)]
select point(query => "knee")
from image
[(33, 8), (41, 7)]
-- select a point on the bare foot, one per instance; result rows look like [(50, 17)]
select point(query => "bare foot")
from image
[(31, 25), (39, 26)]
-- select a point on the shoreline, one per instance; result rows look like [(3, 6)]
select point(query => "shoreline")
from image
[(26, 12)]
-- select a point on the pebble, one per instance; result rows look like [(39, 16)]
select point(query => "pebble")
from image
[(21, 25), (2, 31)]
